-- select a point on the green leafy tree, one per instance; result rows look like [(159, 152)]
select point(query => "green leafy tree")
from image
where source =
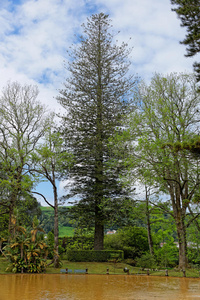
[(168, 113), (27, 209), (22, 124), (50, 161), (188, 12), (96, 98)]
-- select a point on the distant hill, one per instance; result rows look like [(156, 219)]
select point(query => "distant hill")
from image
[(47, 220)]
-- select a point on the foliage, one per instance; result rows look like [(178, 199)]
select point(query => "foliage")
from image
[(194, 257), (132, 240), (94, 255), (47, 220), (167, 255), (188, 11), (27, 209), (50, 160), (146, 261), (96, 97), (22, 123), (4, 220), (76, 242), (167, 113), (26, 251)]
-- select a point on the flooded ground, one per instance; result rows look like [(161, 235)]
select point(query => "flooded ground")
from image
[(96, 287)]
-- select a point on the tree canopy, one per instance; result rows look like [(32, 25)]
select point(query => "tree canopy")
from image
[(22, 124), (189, 13), (167, 113)]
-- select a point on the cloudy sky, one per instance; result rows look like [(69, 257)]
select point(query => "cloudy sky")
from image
[(35, 34)]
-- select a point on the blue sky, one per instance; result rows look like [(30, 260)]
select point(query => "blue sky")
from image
[(35, 34)]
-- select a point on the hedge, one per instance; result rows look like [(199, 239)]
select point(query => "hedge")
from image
[(94, 255)]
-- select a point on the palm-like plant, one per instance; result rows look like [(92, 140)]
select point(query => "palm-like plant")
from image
[(26, 251)]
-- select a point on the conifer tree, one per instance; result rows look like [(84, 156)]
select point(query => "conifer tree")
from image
[(96, 98), (189, 13)]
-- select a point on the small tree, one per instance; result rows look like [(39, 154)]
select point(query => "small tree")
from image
[(50, 161)]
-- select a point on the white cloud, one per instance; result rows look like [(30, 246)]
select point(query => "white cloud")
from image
[(34, 41), (155, 31), (35, 35)]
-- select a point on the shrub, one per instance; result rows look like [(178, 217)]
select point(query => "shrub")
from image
[(167, 256), (130, 261), (146, 261), (94, 255), (77, 243), (132, 240), (26, 251)]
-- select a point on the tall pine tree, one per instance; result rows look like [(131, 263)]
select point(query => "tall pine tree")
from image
[(96, 97), (189, 13)]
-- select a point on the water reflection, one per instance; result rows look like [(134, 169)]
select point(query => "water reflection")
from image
[(96, 287)]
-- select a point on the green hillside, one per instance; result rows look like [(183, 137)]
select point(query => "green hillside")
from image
[(47, 220)]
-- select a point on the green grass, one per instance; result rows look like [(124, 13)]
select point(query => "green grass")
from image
[(66, 231), (49, 208), (101, 268), (93, 267), (46, 208)]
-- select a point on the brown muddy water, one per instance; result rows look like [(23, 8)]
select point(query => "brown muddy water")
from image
[(96, 287)]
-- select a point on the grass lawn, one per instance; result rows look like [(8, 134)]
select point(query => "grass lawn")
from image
[(118, 268), (93, 267), (101, 268), (66, 231)]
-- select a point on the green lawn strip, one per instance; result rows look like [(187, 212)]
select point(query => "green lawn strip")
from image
[(93, 267), (66, 231), (101, 268), (191, 273)]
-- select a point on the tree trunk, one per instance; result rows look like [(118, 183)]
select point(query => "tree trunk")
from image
[(150, 241), (99, 227), (98, 235), (11, 213), (181, 231), (178, 193), (56, 230)]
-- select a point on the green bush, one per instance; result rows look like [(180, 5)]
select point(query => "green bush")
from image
[(146, 261), (130, 261), (77, 242), (193, 256), (26, 250), (132, 240), (94, 255), (167, 256)]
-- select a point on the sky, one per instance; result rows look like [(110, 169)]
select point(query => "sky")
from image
[(35, 35)]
